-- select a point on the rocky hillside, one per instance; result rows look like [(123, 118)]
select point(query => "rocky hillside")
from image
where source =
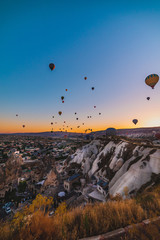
[(125, 163)]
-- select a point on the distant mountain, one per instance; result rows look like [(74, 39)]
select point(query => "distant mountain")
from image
[(49, 134), (130, 132)]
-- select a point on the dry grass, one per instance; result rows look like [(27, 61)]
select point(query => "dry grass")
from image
[(83, 222)]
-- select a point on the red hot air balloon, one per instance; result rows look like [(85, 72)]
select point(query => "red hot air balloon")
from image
[(52, 66), (85, 78), (66, 89), (51, 123), (60, 113), (23, 126), (62, 101)]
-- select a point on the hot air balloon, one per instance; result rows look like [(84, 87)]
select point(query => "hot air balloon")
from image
[(90, 116), (94, 106), (60, 113), (62, 97), (23, 126), (62, 101), (71, 128), (75, 113), (51, 123), (85, 78), (99, 113), (92, 88), (152, 80), (16, 115), (148, 98), (82, 123), (76, 118), (135, 121), (87, 116), (64, 121), (66, 89), (52, 66), (52, 116)]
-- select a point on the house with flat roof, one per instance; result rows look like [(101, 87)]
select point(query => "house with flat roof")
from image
[(69, 182)]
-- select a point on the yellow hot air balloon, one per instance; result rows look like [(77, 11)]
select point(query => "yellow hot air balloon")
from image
[(152, 80)]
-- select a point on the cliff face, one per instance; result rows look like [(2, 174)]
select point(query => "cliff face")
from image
[(124, 163)]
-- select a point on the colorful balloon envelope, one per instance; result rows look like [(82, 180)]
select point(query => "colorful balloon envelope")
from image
[(151, 80), (52, 66)]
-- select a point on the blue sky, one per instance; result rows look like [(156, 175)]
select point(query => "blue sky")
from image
[(116, 44)]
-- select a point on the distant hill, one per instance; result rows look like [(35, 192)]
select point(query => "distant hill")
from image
[(131, 132), (49, 134)]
